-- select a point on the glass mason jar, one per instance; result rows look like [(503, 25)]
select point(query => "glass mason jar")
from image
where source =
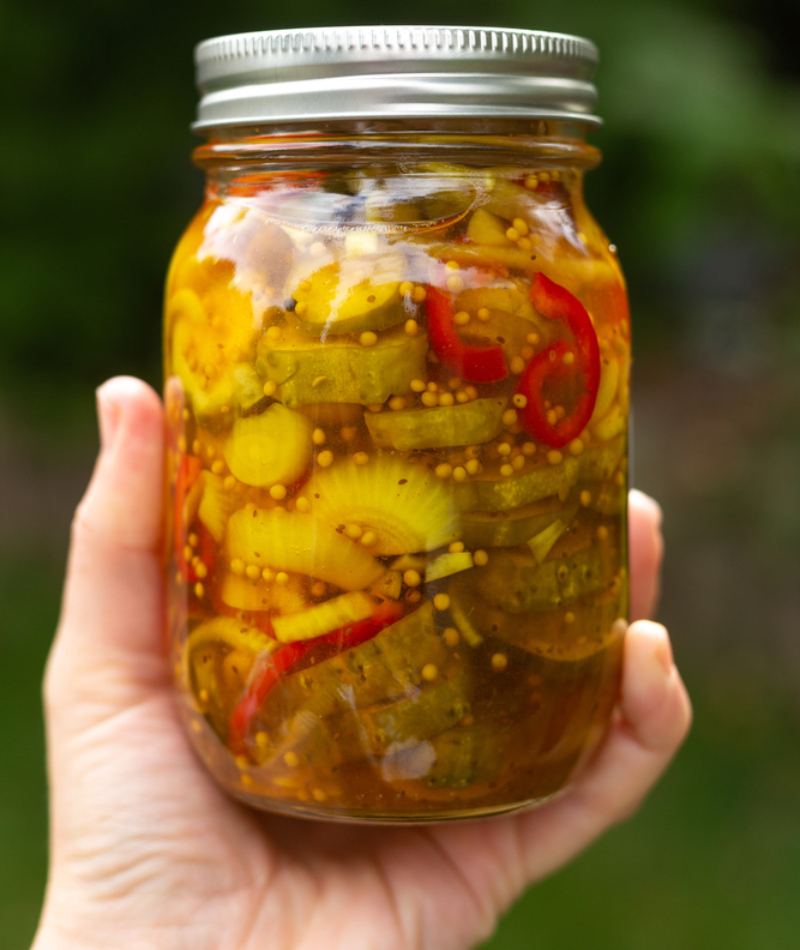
[(397, 364)]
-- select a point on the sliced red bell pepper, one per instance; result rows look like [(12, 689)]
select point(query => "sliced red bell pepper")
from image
[(475, 364), (189, 468), (285, 657), (557, 303), (570, 379), (258, 690)]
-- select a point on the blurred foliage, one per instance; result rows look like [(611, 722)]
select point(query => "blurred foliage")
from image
[(98, 183)]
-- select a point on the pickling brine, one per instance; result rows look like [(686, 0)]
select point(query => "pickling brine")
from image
[(397, 395)]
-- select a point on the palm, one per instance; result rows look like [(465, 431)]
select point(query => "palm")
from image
[(146, 845), (229, 870)]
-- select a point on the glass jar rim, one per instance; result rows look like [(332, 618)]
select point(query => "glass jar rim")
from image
[(394, 72)]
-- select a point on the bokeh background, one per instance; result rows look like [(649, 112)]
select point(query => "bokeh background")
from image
[(700, 190)]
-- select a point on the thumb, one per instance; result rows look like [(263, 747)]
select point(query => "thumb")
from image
[(107, 653)]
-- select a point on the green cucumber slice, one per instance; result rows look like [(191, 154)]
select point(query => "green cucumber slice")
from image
[(352, 295), (507, 529), (406, 429), (381, 670), (493, 492), (515, 582), (271, 448), (465, 755), (427, 713), (342, 370)]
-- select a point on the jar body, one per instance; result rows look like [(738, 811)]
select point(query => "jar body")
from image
[(397, 394)]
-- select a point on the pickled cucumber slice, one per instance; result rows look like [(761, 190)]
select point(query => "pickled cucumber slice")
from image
[(352, 295), (594, 623), (382, 209), (404, 504), (297, 542), (323, 618), (218, 658), (465, 755), (507, 529), (509, 201), (515, 582), (271, 448), (572, 273), (510, 321), (486, 228), (510, 299), (216, 504), (494, 492), (343, 370), (358, 734), (380, 670), (475, 255), (209, 339), (248, 387), (469, 424), (427, 713)]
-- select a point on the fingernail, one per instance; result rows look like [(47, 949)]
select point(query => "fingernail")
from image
[(659, 643), (108, 417), (663, 650), (641, 500), (664, 655)]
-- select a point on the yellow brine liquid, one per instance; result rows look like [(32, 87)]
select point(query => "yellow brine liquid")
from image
[(397, 401)]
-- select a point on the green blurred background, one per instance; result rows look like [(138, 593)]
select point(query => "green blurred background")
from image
[(700, 190)]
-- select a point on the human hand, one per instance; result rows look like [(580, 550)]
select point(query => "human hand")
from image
[(147, 852)]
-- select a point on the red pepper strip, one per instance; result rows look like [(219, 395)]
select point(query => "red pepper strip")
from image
[(557, 303), (259, 688), (189, 469), (475, 364), (549, 367), (283, 659)]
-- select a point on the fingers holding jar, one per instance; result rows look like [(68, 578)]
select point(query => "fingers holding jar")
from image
[(653, 719), (649, 725), (111, 619)]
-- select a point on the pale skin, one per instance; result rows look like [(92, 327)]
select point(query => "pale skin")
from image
[(146, 851)]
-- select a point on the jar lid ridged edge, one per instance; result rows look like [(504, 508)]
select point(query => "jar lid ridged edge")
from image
[(386, 39)]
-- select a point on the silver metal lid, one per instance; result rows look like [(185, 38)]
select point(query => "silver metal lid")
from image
[(394, 72)]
